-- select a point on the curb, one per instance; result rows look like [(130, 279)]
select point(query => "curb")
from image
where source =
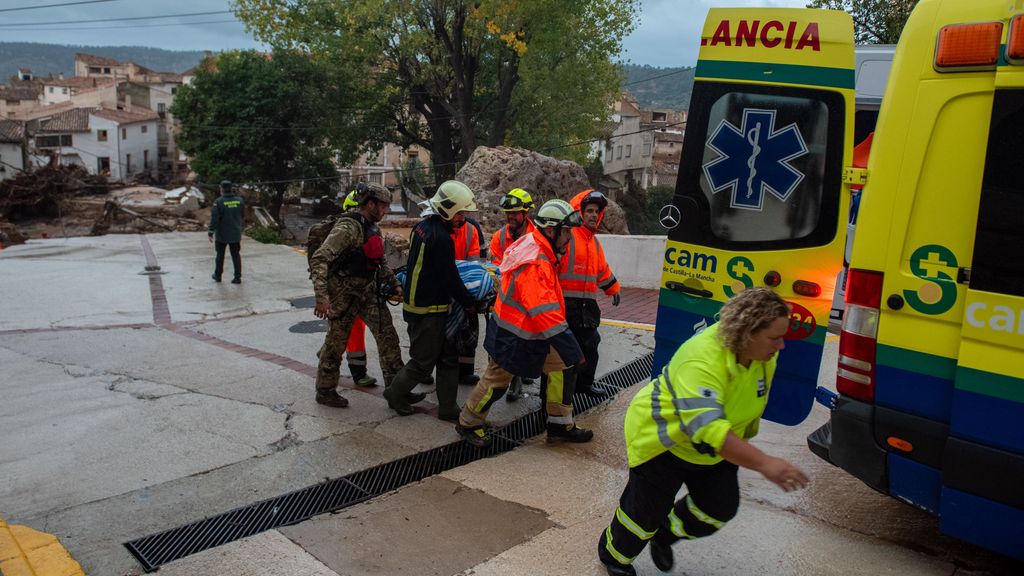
[(28, 552)]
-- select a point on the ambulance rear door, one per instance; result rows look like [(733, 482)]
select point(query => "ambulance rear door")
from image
[(762, 195)]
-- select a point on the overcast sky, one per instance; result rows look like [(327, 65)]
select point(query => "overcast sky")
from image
[(668, 33)]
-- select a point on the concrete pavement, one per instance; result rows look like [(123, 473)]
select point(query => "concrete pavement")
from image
[(135, 403)]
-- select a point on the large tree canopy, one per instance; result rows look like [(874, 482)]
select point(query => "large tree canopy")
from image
[(874, 21), (261, 119), (450, 75)]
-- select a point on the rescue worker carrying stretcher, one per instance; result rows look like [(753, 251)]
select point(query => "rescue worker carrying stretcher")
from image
[(467, 247), (516, 205), (527, 334), (348, 272), (355, 348)]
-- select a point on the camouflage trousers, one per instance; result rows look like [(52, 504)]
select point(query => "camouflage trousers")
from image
[(349, 300)]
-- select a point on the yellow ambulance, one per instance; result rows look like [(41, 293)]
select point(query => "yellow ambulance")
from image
[(930, 377)]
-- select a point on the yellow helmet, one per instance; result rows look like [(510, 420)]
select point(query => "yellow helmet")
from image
[(351, 201), (451, 198), (516, 200)]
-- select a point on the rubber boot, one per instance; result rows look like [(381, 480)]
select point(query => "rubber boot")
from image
[(569, 433)]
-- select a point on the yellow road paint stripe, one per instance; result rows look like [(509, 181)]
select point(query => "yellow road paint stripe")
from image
[(624, 324)]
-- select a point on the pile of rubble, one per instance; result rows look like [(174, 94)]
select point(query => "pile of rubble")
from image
[(491, 172), (41, 193)]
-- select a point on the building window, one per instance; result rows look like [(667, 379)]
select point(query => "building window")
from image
[(174, 90), (128, 163), (646, 150), (629, 150), (144, 128), (145, 159), (51, 89), (618, 153), (94, 70), (124, 133), (54, 141), (103, 165), (106, 70), (376, 178), (63, 90), (101, 135)]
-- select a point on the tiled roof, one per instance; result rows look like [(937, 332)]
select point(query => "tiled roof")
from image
[(74, 120), (96, 60), (79, 82), (11, 131), (19, 94), (38, 112), (124, 116)]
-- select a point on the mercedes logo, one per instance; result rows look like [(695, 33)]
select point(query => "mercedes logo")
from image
[(669, 216)]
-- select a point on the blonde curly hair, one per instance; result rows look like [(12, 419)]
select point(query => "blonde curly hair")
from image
[(746, 313)]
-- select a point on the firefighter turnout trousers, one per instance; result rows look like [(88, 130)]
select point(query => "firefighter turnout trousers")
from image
[(648, 508), (495, 381)]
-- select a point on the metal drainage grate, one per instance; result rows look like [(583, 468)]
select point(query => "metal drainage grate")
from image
[(157, 549)]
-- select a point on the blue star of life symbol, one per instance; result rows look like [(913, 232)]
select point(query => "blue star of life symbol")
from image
[(754, 159)]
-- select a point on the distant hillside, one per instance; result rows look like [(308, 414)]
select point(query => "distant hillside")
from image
[(45, 59), (659, 87)]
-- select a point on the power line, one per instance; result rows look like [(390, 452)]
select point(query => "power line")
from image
[(673, 73), (132, 26), (133, 18), (55, 5)]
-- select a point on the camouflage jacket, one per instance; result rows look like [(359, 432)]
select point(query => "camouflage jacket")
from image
[(346, 235)]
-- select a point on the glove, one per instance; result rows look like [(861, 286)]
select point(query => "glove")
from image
[(615, 300)]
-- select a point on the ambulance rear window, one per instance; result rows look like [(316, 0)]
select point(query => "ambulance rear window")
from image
[(761, 167), (998, 264)]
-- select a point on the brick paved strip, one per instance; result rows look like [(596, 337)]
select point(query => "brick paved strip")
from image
[(161, 312)]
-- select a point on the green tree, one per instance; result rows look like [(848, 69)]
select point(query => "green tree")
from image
[(450, 75), (874, 21), (262, 119)]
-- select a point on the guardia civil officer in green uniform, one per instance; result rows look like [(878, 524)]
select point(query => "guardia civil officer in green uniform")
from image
[(349, 275), (691, 425), (225, 231)]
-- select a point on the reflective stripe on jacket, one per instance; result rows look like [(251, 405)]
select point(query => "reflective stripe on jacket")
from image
[(467, 241), (700, 395), (584, 270), (502, 239), (529, 313), (432, 279)]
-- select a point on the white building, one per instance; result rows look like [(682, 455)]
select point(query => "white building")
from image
[(12, 148), (626, 152), (120, 144)]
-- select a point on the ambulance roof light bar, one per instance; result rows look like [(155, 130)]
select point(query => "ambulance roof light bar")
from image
[(968, 47)]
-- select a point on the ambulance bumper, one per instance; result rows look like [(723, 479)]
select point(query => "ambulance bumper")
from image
[(847, 440)]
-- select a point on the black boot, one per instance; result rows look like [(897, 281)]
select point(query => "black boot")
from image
[(330, 397), (569, 433), (613, 567), (593, 391), (661, 554), (515, 389)]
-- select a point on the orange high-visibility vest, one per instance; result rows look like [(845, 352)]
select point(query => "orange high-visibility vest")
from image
[(584, 270), (502, 239), (530, 303), (467, 242)]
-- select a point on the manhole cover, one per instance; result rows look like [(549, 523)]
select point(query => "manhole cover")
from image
[(309, 327)]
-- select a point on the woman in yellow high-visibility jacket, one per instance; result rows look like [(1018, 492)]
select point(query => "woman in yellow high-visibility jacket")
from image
[(691, 425)]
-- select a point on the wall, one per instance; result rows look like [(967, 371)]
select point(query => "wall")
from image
[(636, 261), (10, 154)]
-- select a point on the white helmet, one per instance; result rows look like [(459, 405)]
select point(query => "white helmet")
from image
[(451, 198)]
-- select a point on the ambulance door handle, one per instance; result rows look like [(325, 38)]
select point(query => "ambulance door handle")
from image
[(963, 275), (680, 287)]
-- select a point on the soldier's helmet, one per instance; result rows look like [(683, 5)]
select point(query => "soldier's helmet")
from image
[(371, 191)]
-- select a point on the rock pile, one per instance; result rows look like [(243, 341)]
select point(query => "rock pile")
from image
[(491, 172)]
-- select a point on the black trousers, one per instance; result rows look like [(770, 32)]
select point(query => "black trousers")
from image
[(467, 349), (648, 507), (589, 339), (236, 258)]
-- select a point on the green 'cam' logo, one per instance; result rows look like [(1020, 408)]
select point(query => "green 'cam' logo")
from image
[(939, 293)]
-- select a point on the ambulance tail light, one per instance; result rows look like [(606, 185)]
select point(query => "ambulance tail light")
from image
[(856, 373), (968, 47), (1015, 43)]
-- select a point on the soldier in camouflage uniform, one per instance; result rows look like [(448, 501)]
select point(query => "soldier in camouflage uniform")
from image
[(347, 271)]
